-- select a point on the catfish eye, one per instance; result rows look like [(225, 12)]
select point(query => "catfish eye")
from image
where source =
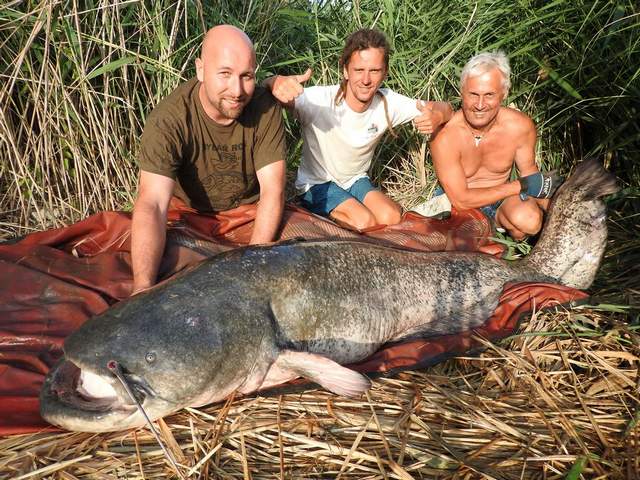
[(150, 357)]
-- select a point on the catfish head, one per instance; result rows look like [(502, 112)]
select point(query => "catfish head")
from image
[(176, 345)]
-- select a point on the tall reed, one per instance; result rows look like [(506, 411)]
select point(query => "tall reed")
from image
[(79, 79)]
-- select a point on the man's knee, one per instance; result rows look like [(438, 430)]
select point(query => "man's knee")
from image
[(385, 210), (390, 214), (516, 234), (359, 218), (527, 218), (363, 219)]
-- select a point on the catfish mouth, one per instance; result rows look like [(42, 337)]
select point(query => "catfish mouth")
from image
[(77, 399), (82, 389)]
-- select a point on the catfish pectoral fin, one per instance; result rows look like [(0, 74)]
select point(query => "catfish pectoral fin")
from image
[(325, 372)]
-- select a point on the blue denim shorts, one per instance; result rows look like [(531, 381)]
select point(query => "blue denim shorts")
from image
[(321, 199), (490, 211)]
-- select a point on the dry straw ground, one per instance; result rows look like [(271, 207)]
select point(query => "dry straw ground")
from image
[(558, 400)]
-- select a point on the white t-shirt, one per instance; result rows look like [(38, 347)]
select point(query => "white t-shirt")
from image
[(338, 142)]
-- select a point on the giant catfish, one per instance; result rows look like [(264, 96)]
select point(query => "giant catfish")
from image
[(262, 315)]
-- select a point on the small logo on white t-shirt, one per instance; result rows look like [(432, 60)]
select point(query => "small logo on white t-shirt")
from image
[(373, 129)]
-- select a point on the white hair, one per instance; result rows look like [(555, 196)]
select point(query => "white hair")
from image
[(484, 62)]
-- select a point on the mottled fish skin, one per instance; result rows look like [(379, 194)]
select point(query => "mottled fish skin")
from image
[(221, 326), (223, 323), (344, 300)]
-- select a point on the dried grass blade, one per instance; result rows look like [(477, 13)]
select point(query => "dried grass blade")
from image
[(53, 468)]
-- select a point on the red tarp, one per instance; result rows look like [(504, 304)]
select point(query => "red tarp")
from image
[(51, 282)]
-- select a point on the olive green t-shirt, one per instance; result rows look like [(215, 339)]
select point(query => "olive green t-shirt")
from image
[(214, 165)]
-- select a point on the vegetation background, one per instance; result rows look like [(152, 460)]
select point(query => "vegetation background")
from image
[(79, 78)]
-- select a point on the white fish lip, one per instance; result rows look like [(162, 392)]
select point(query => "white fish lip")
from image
[(67, 387), (66, 403), (91, 385)]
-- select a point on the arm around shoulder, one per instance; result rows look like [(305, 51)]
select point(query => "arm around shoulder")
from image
[(442, 109), (433, 116), (287, 88)]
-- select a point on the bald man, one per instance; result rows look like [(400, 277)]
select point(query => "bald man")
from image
[(216, 142)]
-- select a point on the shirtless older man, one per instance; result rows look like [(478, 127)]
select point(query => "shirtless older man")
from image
[(216, 142), (474, 153)]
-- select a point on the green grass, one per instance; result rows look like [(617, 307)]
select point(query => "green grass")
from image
[(79, 82)]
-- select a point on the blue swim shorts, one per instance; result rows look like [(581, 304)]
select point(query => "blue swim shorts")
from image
[(490, 211), (321, 199)]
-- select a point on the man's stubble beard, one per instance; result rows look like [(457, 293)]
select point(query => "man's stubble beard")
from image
[(230, 113)]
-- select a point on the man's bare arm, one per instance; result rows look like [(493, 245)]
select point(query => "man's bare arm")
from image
[(271, 205), (148, 228), (451, 175), (286, 88), (534, 183), (525, 156)]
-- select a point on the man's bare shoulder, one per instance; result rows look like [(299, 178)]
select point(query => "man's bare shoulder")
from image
[(516, 121), (452, 131)]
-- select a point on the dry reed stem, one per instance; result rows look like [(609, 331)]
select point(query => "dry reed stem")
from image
[(410, 180), (563, 391)]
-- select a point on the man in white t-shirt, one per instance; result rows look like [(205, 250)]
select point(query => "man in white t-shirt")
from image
[(342, 125)]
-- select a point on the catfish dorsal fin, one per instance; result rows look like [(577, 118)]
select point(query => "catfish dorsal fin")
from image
[(325, 372)]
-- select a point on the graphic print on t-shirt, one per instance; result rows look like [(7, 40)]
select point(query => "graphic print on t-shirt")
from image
[(226, 185), (225, 157), (226, 180)]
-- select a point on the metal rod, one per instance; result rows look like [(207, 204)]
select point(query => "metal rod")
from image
[(115, 368)]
